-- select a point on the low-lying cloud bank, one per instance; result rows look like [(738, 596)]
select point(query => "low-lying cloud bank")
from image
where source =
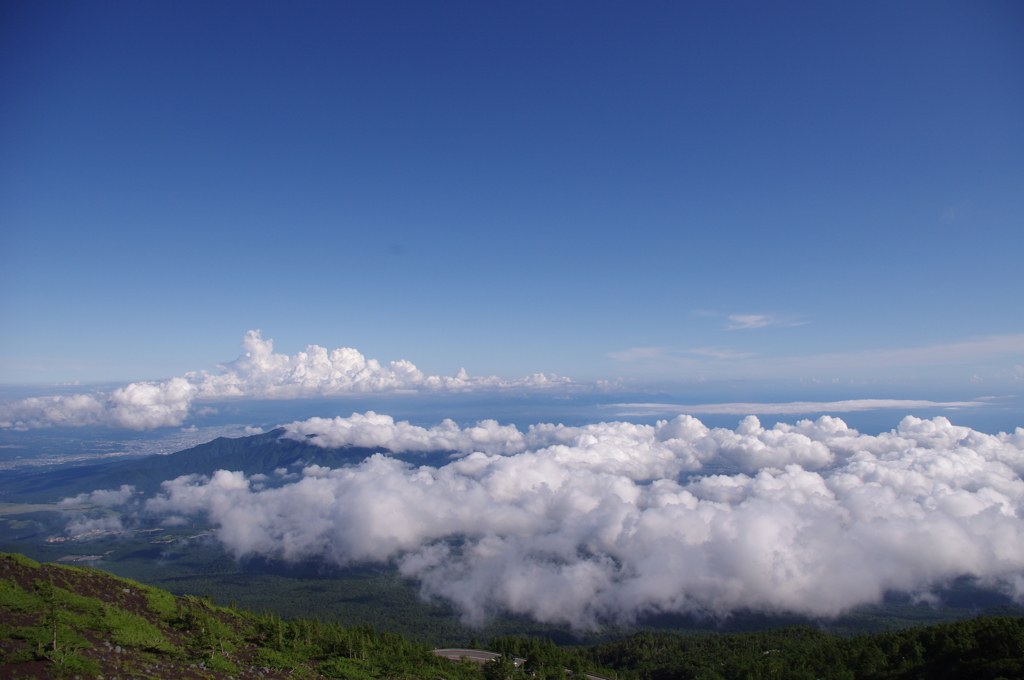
[(609, 521), (257, 374)]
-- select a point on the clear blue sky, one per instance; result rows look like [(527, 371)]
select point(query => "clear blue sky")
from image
[(590, 189)]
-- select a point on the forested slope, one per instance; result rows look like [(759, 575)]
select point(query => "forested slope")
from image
[(58, 621)]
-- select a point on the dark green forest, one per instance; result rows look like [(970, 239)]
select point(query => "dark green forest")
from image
[(982, 648)]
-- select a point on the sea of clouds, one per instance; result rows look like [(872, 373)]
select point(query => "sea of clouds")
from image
[(257, 374), (609, 521)]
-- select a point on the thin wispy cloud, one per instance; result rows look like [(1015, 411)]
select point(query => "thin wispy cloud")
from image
[(655, 354), (744, 321), (740, 322), (793, 407), (639, 354), (970, 351), (745, 364), (720, 353)]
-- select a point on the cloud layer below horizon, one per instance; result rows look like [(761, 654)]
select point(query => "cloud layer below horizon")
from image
[(609, 521), (258, 374)]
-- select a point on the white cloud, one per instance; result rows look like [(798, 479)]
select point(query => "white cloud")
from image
[(372, 430), (257, 374), (138, 406), (260, 373), (316, 372), (583, 524), (105, 497)]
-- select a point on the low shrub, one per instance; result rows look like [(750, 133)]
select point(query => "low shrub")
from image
[(272, 659), (347, 669), (161, 602), (132, 630), (20, 559), (222, 665), (74, 664), (18, 599)]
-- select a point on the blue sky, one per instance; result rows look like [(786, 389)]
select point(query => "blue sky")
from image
[(664, 194), (726, 209)]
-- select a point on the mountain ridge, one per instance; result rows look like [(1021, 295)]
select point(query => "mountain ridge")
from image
[(254, 454)]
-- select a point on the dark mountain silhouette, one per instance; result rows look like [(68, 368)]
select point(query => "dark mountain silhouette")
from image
[(256, 454)]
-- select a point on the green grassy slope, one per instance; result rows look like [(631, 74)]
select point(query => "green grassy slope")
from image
[(58, 621)]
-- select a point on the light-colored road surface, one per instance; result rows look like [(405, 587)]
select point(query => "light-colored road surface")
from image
[(473, 655)]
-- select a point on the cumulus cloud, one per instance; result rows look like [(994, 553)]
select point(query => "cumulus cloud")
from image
[(639, 452), (138, 406), (609, 521), (258, 374), (261, 373), (372, 430)]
